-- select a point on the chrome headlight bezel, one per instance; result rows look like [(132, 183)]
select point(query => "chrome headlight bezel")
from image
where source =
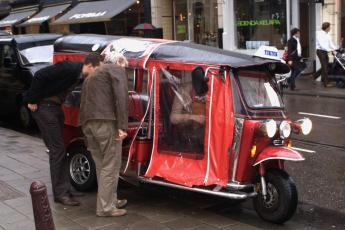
[(284, 129), (270, 128)]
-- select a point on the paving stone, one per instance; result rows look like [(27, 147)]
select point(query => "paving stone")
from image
[(9, 215), (112, 227), (147, 225), (19, 225), (241, 226), (93, 222), (217, 220), (7, 192), (183, 223)]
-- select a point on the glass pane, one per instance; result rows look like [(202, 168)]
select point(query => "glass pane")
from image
[(181, 20), (182, 114), (260, 22), (205, 22), (258, 90), (131, 79)]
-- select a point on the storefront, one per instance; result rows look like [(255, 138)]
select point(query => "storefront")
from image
[(50, 11), (21, 10), (117, 17)]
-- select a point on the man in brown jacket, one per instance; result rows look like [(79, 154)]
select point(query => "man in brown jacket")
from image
[(104, 120)]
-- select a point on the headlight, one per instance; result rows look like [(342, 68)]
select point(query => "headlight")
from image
[(284, 129), (270, 128), (306, 125)]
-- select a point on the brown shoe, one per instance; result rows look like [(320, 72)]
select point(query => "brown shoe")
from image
[(68, 201), (328, 85), (113, 213), (121, 203)]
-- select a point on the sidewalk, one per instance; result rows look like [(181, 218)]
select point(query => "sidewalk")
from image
[(23, 160), (306, 86)]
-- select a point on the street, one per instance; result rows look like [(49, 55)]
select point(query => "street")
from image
[(320, 181)]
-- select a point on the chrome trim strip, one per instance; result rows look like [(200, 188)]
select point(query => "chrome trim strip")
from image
[(236, 196), (236, 146), (237, 186)]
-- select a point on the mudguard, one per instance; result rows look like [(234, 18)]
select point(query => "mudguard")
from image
[(278, 153)]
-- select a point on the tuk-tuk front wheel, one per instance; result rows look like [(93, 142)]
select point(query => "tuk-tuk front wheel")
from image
[(281, 200)]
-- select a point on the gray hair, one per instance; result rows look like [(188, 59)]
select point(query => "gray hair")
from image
[(115, 58)]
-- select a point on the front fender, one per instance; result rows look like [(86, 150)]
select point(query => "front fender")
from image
[(278, 153)]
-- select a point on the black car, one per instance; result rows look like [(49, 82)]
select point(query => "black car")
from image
[(20, 57)]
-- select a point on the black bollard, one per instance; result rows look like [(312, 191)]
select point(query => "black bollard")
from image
[(40, 204)]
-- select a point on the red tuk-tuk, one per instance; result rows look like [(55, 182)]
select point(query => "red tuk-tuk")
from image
[(200, 119)]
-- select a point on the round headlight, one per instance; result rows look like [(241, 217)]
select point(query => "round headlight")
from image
[(284, 129), (270, 128), (306, 125)]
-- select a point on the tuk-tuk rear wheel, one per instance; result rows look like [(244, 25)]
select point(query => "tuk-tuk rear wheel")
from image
[(82, 169), (281, 200)]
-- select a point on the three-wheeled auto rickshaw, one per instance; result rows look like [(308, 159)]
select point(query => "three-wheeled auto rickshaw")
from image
[(200, 119)]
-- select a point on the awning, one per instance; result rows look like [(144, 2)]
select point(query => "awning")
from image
[(95, 11), (17, 16), (46, 14)]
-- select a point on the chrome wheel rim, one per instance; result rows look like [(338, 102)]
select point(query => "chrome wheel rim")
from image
[(80, 169), (272, 197)]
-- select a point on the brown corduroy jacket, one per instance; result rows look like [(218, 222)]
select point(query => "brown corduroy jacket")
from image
[(104, 96)]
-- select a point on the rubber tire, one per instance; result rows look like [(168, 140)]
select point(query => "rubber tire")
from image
[(288, 198), (29, 122), (91, 183)]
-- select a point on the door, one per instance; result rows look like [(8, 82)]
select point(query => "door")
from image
[(10, 86)]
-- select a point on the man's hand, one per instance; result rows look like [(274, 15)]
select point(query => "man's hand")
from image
[(122, 134), (334, 52), (32, 107), (290, 63)]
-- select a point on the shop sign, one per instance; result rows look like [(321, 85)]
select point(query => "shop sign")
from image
[(262, 22), (39, 19), (88, 15)]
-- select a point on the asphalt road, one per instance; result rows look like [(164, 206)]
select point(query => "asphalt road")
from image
[(321, 177)]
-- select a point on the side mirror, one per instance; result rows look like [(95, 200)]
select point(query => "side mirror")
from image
[(199, 81), (8, 63)]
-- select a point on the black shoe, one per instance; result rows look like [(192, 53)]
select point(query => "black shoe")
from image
[(68, 201), (75, 193)]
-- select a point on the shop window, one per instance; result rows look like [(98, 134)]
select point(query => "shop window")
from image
[(181, 114), (260, 23), (131, 73), (197, 21)]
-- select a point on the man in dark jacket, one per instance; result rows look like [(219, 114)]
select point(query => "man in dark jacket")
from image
[(104, 119), (294, 57), (48, 90)]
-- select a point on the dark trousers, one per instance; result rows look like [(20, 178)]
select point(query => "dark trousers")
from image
[(295, 72), (324, 60), (50, 121)]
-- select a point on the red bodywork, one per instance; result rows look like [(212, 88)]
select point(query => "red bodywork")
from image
[(217, 166)]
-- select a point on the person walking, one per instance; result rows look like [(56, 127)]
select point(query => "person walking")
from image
[(294, 57), (48, 89), (324, 45), (104, 120)]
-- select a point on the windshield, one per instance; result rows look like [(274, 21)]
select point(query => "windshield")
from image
[(258, 90), (37, 54)]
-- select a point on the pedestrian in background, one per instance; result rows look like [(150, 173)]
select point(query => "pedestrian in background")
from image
[(324, 45), (47, 92), (104, 120), (295, 57)]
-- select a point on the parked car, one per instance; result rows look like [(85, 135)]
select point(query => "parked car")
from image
[(20, 57)]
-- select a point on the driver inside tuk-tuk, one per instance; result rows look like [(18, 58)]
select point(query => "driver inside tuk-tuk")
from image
[(188, 111)]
